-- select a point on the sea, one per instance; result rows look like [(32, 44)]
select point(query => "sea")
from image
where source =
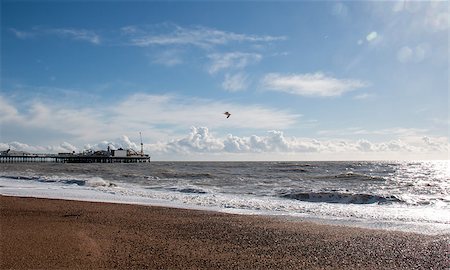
[(411, 196)]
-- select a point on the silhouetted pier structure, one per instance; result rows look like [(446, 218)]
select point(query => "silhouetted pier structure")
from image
[(88, 156), (73, 159)]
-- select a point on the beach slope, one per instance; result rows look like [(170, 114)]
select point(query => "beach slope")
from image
[(51, 234)]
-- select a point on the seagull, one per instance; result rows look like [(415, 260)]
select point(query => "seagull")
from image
[(227, 114)]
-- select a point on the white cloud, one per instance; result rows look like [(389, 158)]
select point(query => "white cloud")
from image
[(364, 145), (236, 82), (23, 147), (182, 112), (310, 84), (200, 141), (233, 60), (123, 142), (68, 147), (139, 112)]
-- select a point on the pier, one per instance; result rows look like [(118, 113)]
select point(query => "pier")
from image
[(73, 159), (88, 156)]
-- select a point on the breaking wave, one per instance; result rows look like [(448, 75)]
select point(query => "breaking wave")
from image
[(191, 190), (79, 181), (335, 197)]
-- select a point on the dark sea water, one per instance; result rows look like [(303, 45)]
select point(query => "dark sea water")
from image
[(410, 196)]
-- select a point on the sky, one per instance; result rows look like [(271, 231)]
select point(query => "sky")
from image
[(303, 80)]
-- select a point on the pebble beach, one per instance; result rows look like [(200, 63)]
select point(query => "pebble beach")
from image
[(55, 234)]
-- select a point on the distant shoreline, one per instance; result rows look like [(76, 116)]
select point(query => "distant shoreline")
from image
[(48, 233)]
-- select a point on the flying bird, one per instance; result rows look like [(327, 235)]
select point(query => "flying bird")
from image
[(227, 114)]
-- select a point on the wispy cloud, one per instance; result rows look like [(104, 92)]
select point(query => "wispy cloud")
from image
[(76, 34), (232, 60), (429, 15), (310, 84), (181, 111), (401, 132), (364, 96), (70, 33), (169, 42), (199, 36), (21, 34), (106, 125), (7, 111), (236, 82), (139, 112), (168, 58)]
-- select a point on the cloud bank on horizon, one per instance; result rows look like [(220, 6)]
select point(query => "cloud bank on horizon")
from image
[(348, 88), (200, 144), (88, 125)]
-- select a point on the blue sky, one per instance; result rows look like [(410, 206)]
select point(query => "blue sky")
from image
[(302, 80)]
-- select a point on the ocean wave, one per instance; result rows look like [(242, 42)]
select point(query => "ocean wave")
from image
[(98, 182), (336, 197), (289, 164), (354, 176), (79, 181), (190, 190), (293, 170), (184, 175), (20, 177), (287, 167)]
